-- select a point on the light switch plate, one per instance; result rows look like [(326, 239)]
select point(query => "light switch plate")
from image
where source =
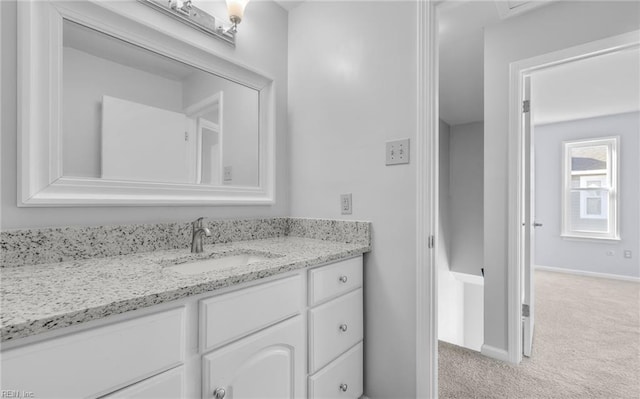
[(397, 152), (345, 204)]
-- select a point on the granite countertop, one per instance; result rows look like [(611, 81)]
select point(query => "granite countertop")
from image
[(39, 298)]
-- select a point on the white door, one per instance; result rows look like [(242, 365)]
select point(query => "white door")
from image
[(143, 143), (529, 224), (268, 364)]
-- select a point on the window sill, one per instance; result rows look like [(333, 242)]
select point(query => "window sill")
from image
[(603, 240)]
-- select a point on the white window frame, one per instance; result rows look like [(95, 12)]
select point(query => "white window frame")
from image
[(586, 195), (610, 186)]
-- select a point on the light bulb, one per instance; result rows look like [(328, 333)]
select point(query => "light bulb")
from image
[(236, 10)]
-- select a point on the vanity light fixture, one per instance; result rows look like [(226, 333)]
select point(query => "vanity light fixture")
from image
[(186, 12)]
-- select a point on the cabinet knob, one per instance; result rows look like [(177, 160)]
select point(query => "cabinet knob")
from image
[(219, 393), (344, 387), (343, 327), (343, 279)]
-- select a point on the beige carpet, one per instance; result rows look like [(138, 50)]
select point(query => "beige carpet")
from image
[(586, 345)]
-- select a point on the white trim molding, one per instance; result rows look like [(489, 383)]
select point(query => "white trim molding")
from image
[(426, 201), (40, 175), (587, 273), (494, 353), (519, 71)]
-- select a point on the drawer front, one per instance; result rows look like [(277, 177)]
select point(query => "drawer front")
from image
[(330, 281), (168, 385), (341, 378), (97, 361), (333, 328), (227, 317)]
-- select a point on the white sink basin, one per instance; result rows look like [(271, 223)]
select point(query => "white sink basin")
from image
[(209, 264)]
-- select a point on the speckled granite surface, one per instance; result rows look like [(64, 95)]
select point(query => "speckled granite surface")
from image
[(77, 274), (39, 298), (331, 230), (48, 245)]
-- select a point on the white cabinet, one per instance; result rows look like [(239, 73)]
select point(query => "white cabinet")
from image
[(168, 385), (293, 336), (336, 330), (340, 379), (268, 365), (97, 361), (245, 311)]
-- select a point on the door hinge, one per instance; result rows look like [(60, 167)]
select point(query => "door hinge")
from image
[(186, 136), (432, 242), (526, 106), (525, 310)]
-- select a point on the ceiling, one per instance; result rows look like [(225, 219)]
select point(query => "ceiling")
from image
[(604, 85), (598, 86), (289, 4), (461, 41), (107, 47)]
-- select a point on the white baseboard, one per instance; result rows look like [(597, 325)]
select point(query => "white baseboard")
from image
[(585, 273), (494, 353)]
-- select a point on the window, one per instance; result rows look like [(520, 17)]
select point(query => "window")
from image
[(590, 203)]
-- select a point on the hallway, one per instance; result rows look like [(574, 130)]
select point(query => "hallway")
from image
[(586, 345)]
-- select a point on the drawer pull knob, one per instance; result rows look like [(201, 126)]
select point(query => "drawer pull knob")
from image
[(219, 393), (343, 327), (344, 387), (343, 279)]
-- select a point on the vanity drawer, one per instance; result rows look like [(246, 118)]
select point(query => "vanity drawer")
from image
[(340, 379), (168, 385), (333, 328), (231, 316), (97, 361), (333, 280)]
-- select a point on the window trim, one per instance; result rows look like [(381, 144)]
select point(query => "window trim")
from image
[(613, 166)]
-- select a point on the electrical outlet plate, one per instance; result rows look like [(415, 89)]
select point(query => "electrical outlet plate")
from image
[(397, 152), (345, 204), (228, 173), (627, 254)]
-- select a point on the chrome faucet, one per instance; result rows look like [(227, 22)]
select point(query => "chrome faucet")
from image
[(196, 235)]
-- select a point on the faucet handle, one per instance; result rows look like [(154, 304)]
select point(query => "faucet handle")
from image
[(197, 223)]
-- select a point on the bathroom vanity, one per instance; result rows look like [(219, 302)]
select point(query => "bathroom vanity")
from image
[(121, 106), (272, 318)]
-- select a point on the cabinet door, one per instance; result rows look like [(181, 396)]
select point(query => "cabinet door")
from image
[(169, 385), (268, 364)]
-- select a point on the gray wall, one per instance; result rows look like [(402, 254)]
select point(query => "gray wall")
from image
[(574, 254), (352, 88), (262, 45), (444, 199), (549, 28), (467, 219)]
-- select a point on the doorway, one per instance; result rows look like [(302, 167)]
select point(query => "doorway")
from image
[(584, 201)]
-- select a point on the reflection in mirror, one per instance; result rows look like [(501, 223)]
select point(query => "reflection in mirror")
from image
[(134, 115)]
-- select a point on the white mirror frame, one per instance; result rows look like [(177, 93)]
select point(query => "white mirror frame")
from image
[(40, 179)]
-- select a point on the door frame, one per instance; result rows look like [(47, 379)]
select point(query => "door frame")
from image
[(516, 201), (426, 148)]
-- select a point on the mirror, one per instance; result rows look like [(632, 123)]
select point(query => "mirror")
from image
[(117, 110), (131, 114)]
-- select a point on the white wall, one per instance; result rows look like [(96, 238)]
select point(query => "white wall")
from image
[(467, 219), (550, 28), (86, 78), (352, 87), (444, 196), (550, 248), (262, 45), (460, 307), (240, 106)]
